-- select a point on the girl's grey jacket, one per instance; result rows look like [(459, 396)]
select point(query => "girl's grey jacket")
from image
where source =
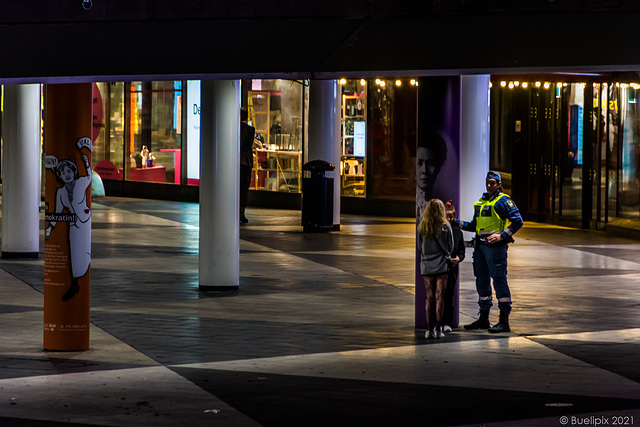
[(433, 259)]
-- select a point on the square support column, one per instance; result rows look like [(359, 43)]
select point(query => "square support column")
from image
[(219, 263), (21, 172), (324, 133)]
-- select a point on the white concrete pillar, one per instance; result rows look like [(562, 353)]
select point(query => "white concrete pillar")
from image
[(21, 170), (324, 132), (474, 150), (219, 263)]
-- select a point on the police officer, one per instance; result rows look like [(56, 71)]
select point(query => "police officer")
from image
[(495, 219)]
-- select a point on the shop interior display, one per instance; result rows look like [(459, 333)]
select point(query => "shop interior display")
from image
[(277, 166), (353, 167)]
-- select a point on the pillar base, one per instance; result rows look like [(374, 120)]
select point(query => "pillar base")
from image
[(316, 229), (212, 288), (17, 255)]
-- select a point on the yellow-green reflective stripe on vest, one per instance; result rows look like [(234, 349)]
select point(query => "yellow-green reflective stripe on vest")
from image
[(487, 220)]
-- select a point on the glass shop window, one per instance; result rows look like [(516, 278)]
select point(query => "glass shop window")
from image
[(276, 111), (392, 124), (353, 144), (108, 129), (628, 194), (154, 134)]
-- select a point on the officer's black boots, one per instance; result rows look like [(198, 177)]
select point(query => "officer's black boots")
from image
[(502, 325), (481, 323)]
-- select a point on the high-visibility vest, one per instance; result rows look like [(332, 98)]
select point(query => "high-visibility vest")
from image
[(487, 220)]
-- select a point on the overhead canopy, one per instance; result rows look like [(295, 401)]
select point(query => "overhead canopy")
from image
[(49, 41)]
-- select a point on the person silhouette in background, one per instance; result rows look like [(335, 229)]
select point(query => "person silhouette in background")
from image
[(248, 142)]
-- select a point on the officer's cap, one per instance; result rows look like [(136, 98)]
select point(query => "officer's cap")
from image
[(493, 175)]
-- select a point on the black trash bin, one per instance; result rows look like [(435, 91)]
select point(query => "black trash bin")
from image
[(317, 197)]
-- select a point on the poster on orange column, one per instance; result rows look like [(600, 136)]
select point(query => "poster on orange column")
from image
[(67, 249)]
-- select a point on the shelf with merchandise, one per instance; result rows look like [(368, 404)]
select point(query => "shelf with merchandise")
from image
[(353, 173), (277, 170)]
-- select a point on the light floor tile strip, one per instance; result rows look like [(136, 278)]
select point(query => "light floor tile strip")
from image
[(515, 363), (623, 336)]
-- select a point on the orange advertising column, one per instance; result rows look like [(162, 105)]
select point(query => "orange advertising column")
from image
[(67, 248)]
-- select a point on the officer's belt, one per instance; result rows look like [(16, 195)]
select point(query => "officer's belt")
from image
[(481, 239), (487, 232)]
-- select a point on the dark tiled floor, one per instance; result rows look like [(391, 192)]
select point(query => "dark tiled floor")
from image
[(321, 330)]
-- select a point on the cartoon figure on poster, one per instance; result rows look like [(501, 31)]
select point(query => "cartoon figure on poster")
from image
[(72, 197)]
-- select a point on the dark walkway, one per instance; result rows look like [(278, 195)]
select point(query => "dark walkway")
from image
[(321, 331)]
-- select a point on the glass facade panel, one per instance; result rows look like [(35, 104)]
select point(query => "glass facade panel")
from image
[(353, 138), (378, 140), (108, 129), (155, 131), (276, 111), (612, 131), (629, 185), (571, 205), (393, 112), (594, 171), (591, 166)]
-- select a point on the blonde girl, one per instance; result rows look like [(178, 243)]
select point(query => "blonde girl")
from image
[(435, 241)]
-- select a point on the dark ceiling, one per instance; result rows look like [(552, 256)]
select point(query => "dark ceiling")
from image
[(60, 40)]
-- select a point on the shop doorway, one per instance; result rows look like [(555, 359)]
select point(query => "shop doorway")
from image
[(567, 153), (542, 164), (559, 133)]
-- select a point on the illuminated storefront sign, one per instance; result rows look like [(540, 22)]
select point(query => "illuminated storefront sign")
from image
[(359, 139), (193, 130)]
